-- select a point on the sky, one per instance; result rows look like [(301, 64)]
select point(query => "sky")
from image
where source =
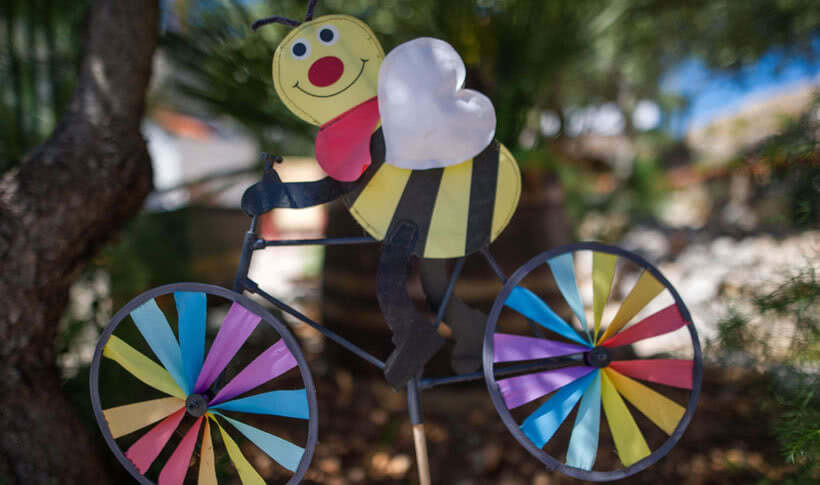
[(713, 94)]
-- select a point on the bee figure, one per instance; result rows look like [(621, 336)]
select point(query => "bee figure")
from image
[(412, 155)]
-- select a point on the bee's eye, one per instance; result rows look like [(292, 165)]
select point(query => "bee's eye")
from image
[(300, 49), (328, 35)]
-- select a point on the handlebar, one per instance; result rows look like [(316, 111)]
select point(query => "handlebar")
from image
[(270, 171)]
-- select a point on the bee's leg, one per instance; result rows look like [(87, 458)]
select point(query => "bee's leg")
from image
[(415, 338), (466, 322)]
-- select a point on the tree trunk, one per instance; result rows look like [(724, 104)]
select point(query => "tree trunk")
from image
[(63, 202)]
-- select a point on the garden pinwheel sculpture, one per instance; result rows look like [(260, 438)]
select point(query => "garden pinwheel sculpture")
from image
[(188, 376), (596, 377), (412, 154)]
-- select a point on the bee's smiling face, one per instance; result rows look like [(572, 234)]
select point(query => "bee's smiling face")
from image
[(326, 67)]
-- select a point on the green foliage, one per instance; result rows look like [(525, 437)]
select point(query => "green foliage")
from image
[(222, 67), (790, 159), (733, 333), (526, 55), (645, 186), (152, 251), (798, 425), (40, 47), (790, 312)]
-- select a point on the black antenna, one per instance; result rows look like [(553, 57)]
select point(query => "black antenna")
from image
[(286, 21), (311, 6), (275, 20)]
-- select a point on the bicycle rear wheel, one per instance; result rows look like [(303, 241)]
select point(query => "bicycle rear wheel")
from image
[(253, 377), (550, 377)]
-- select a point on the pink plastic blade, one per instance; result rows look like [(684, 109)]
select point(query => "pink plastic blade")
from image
[(173, 473), (667, 320), (235, 329), (672, 372), (270, 364), (509, 348), (146, 449), (520, 390)]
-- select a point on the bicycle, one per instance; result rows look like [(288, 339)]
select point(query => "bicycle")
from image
[(535, 379)]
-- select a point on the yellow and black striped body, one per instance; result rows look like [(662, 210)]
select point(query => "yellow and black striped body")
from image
[(458, 209)]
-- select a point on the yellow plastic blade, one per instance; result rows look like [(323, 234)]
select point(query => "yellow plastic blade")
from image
[(603, 271), (247, 473), (629, 440), (131, 417), (663, 411), (207, 463), (647, 288), (141, 367)]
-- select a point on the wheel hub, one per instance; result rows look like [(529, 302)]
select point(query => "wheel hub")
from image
[(196, 405), (598, 357)]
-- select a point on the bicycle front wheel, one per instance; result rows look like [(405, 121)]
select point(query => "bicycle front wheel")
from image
[(245, 409), (615, 336)]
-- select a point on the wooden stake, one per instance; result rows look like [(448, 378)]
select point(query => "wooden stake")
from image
[(422, 461)]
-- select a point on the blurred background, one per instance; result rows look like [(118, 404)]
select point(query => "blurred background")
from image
[(686, 131)]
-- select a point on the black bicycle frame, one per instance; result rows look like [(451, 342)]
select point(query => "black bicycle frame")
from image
[(253, 242)]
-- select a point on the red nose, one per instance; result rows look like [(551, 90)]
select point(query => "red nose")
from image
[(326, 71)]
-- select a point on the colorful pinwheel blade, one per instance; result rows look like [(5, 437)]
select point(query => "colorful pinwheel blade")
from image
[(667, 320), (207, 463), (289, 404), (247, 473), (510, 348), (131, 417), (192, 315), (644, 291), (603, 271), (541, 425), (146, 449), (281, 451), (583, 443), (174, 470), (520, 390), (154, 327), (235, 329), (270, 364), (528, 304), (671, 372), (141, 367), (563, 270), (629, 441), (661, 410)]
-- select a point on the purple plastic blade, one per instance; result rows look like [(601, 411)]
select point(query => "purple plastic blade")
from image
[(270, 364), (520, 390), (235, 329), (509, 348)]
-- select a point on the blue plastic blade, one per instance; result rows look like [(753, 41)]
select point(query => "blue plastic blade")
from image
[(528, 304), (192, 314), (281, 451), (290, 404), (563, 270), (545, 421), (154, 327), (583, 443)]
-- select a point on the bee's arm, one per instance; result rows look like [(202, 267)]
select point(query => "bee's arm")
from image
[(272, 193), (267, 195)]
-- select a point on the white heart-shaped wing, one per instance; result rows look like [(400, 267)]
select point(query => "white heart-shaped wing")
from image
[(428, 120)]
